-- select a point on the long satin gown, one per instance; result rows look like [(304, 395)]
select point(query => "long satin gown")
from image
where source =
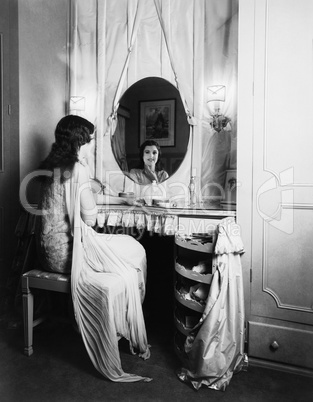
[(108, 277)]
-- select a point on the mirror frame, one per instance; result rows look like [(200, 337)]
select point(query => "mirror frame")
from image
[(131, 106)]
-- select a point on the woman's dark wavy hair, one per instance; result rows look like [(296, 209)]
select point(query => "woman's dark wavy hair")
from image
[(147, 143), (71, 133)]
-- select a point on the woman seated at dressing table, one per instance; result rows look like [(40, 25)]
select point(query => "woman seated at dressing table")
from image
[(108, 272), (150, 165)]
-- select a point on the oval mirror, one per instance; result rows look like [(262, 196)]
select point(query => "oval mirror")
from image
[(151, 109)]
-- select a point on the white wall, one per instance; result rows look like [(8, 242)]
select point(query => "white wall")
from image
[(43, 36)]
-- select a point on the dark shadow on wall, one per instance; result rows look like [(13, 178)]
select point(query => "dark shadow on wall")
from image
[(29, 186)]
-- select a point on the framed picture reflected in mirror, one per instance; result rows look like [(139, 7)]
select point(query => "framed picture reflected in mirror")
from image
[(157, 122)]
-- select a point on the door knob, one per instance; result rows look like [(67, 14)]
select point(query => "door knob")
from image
[(274, 345)]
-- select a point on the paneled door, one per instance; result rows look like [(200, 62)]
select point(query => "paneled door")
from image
[(280, 315), (9, 137)]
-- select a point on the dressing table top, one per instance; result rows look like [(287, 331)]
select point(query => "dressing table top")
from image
[(154, 210)]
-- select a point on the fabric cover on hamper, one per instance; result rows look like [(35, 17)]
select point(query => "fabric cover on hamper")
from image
[(216, 351)]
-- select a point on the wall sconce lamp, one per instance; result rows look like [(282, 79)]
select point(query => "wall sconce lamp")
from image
[(77, 104), (217, 93)]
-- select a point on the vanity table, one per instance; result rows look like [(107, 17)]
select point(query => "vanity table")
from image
[(182, 240), (165, 221)]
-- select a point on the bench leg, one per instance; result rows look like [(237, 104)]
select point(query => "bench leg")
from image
[(28, 312)]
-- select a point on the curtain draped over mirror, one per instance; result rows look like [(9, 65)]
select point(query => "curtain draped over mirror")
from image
[(190, 43), (118, 143)]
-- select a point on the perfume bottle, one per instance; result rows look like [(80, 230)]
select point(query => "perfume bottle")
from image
[(151, 192)]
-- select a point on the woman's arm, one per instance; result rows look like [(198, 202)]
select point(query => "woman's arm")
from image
[(164, 176), (88, 207)]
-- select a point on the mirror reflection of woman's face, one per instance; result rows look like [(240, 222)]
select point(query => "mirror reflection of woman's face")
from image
[(150, 156)]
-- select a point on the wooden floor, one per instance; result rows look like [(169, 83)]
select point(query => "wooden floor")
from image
[(60, 371)]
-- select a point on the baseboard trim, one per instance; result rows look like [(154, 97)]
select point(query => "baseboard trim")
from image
[(280, 367)]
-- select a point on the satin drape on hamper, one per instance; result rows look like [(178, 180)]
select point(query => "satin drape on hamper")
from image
[(216, 351)]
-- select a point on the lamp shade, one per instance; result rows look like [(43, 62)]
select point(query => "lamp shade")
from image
[(216, 93)]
